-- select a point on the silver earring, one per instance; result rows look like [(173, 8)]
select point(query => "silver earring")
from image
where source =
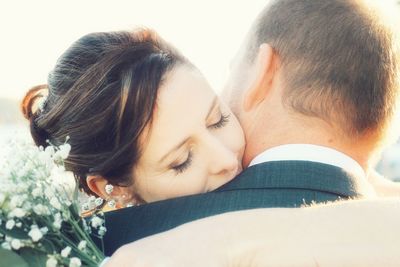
[(111, 203), (109, 188)]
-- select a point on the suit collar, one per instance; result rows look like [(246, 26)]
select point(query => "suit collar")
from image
[(310, 152), (301, 175)]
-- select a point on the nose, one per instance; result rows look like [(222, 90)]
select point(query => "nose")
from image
[(222, 161)]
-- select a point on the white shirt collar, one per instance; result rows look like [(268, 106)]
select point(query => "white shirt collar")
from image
[(308, 152)]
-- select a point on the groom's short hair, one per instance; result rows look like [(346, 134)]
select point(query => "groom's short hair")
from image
[(339, 60)]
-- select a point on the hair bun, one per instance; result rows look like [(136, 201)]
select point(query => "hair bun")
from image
[(29, 103)]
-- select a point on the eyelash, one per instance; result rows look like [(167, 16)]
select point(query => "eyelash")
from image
[(222, 122), (183, 166)]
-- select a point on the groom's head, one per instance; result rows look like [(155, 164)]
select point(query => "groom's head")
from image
[(323, 64)]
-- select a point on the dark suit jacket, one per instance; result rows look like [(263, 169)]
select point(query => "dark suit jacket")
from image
[(270, 184)]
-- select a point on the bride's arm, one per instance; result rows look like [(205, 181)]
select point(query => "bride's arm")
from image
[(352, 233)]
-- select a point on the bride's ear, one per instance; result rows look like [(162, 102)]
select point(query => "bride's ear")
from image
[(122, 195), (264, 72), (97, 185)]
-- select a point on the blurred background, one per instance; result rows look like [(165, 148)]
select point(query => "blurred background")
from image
[(35, 33)]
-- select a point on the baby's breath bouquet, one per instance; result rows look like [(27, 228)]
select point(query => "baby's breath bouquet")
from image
[(40, 224)]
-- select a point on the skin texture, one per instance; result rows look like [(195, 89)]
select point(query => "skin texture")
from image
[(256, 94), (193, 145)]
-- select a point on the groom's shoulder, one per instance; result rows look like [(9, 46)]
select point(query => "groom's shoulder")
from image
[(301, 177), (274, 184)]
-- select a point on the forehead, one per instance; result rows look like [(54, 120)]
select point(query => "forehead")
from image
[(183, 102), (183, 86)]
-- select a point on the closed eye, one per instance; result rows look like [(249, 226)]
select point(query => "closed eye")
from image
[(183, 166), (221, 123)]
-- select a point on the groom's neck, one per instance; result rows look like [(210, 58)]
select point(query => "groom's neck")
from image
[(306, 130)]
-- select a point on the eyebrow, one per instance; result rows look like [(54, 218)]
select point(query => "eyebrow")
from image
[(212, 106)]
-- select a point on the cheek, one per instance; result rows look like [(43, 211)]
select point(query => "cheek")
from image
[(165, 186)]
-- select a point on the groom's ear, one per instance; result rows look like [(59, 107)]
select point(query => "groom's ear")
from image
[(264, 70)]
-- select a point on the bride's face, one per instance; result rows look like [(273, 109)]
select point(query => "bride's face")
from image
[(194, 145)]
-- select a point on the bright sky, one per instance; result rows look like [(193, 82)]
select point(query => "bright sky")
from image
[(35, 33)]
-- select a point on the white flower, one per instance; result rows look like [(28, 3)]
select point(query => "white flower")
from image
[(49, 192), (57, 221), (49, 150), (85, 207), (82, 245), (65, 252), (96, 221), (51, 262), (55, 203), (109, 188), (46, 160), (35, 234), (27, 206), (16, 244), (92, 202), (75, 262), (10, 224), (111, 203), (40, 209), (17, 212), (98, 202), (37, 192), (18, 224), (21, 172), (63, 151), (44, 230), (86, 227), (17, 201), (57, 224), (23, 187), (92, 199), (102, 231)]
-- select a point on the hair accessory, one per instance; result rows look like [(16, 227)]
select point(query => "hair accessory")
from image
[(109, 188)]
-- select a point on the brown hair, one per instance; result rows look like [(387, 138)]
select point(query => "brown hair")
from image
[(102, 93), (340, 63)]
